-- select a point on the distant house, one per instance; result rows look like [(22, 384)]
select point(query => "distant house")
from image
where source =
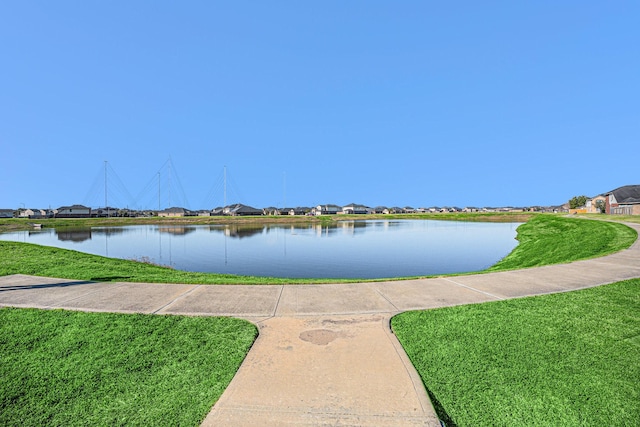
[(593, 204), (6, 213), (74, 211), (271, 211), (174, 212), (300, 210), (623, 200), (217, 211), (355, 209), (557, 209), (32, 213), (241, 210), (380, 210), (326, 210), (104, 212)]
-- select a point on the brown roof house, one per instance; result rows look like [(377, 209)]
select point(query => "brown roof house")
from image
[(623, 200)]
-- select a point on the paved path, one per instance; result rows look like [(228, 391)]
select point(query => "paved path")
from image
[(325, 355)]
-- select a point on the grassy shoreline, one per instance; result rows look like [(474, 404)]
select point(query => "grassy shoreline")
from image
[(571, 239)]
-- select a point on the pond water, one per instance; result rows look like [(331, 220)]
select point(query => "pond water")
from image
[(345, 249)]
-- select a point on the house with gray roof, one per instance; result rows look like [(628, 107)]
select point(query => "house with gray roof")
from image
[(326, 210), (74, 211), (355, 209), (31, 213), (241, 210), (623, 200), (298, 210), (174, 212)]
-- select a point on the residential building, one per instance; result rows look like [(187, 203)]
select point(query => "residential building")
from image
[(241, 210), (355, 209), (104, 212), (326, 210), (32, 213), (300, 210), (74, 211), (623, 200), (174, 212)]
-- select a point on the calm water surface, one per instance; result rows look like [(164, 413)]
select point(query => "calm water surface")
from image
[(347, 249)]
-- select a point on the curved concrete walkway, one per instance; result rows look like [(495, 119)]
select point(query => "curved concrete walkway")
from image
[(325, 355)]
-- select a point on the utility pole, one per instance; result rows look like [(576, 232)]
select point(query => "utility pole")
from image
[(284, 189), (106, 204), (225, 187)]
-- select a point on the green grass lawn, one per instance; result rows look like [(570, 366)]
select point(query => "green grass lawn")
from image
[(65, 368), (569, 359), (548, 240)]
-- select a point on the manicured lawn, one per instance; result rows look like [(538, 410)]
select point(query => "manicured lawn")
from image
[(569, 359), (545, 240), (64, 368)]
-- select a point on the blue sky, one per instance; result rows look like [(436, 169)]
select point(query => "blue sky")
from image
[(381, 103)]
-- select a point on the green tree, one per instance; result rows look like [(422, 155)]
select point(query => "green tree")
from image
[(577, 202), (601, 206)]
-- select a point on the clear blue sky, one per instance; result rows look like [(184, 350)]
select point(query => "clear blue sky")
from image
[(414, 103)]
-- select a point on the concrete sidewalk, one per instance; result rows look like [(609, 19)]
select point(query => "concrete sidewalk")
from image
[(325, 355)]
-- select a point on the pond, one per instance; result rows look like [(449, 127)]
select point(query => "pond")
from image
[(344, 249)]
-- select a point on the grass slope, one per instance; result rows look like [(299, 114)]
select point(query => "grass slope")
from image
[(548, 240), (567, 359), (72, 368), (26, 258)]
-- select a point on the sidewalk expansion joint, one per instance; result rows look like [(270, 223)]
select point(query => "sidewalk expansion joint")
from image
[(387, 300), (473, 289), (275, 308), (182, 295)]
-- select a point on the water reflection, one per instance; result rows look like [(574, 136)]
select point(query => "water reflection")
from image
[(73, 235), (109, 231), (176, 230), (350, 249)]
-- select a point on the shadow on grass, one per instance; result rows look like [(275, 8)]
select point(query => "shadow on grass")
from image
[(445, 419), (109, 278)]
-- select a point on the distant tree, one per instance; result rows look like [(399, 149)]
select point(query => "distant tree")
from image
[(601, 206), (577, 202)]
